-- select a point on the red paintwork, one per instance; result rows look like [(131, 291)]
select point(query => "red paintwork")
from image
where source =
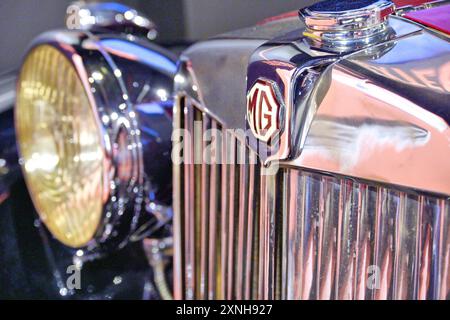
[(290, 14), (286, 15), (403, 3), (437, 18)]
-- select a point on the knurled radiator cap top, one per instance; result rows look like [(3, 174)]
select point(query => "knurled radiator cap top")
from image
[(347, 25)]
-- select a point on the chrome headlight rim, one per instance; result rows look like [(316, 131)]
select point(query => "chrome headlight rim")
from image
[(117, 124)]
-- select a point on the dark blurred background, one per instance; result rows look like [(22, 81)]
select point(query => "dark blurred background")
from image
[(178, 21)]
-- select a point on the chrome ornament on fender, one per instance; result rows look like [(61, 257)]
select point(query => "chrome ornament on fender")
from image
[(263, 110)]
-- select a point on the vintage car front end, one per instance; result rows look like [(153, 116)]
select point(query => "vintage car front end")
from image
[(311, 157), (304, 158)]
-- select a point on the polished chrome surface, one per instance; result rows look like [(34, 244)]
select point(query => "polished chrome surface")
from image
[(215, 238), (343, 26), (384, 116), (301, 73), (109, 17), (231, 57), (336, 221), (376, 231)]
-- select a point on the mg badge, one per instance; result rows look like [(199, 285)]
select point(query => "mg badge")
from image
[(263, 110)]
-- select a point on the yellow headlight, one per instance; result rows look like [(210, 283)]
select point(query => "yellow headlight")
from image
[(60, 143)]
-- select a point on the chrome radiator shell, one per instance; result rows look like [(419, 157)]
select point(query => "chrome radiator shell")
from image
[(321, 228)]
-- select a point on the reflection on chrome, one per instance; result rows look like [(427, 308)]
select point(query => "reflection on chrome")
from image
[(343, 141), (113, 17), (358, 98)]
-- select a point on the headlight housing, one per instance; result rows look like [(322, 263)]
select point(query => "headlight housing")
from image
[(79, 141)]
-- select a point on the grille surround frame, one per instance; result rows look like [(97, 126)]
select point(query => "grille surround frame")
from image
[(345, 237)]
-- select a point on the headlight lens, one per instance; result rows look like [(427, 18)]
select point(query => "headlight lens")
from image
[(61, 146)]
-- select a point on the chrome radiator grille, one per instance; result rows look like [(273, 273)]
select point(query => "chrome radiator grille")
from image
[(298, 234)]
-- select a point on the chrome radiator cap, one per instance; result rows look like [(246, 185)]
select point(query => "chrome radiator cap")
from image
[(344, 26)]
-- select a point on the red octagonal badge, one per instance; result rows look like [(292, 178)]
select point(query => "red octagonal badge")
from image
[(263, 110)]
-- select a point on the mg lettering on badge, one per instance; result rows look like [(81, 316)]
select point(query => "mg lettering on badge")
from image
[(263, 110)]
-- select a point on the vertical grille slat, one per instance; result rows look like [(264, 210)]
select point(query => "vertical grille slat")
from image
[(262, 261), (256, 235), (250, 245), (406, 244), (285, 217), (328, 222), (425, 249), (189, 212), (196, 213), (346, 240), (204, 197), (443, 258), (179, 203), (309, 235), (242, 220), (364, 241), (298, 234), (231, 216), (224, 219), (386, 212), (271, 244), (279, 238), (294, 245), (214, 213)]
